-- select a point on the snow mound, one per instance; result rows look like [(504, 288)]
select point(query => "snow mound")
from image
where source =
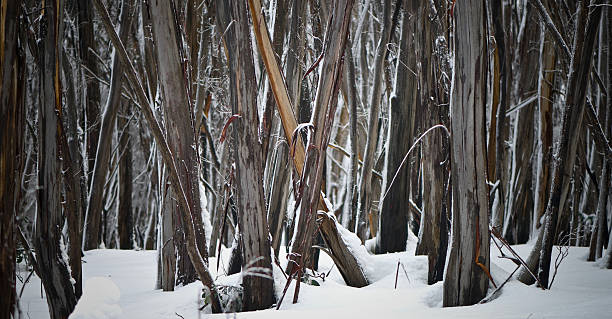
[(100, 300)]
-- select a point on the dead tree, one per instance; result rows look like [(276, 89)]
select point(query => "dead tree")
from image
[(12, 112), (466, 279), (125, 220)]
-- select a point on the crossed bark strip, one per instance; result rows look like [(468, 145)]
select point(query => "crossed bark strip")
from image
[(344, 260)]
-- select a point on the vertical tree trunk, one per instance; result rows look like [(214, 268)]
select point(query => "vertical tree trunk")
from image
[(520, 205), (99, 169), (124, 215), (572, 121), (166, 243), (11, 143), (466, 279), (54, 271), (393, 222), (258, 290), (91, 96), (433, 232), (365, 194), (182, 137)]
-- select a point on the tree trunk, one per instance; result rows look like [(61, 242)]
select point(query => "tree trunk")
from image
[(466, 279), (93, 217), (91, 96), (258, 290), (182, 136), (54, 272), (433, 232), (322, 118), (12, 112), (393, 222), (572, 121), (365, 194), (124, 215), (520, 205), (166, 244)]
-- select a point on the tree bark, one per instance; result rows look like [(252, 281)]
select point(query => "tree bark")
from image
[(12, 112), (258, 290), (466, 279), (125, 220), (54, 272)]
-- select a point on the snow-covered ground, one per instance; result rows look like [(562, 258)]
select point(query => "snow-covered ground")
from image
[(120, 284)]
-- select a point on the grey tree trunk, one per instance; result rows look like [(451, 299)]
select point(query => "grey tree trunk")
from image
[(433, 232), (258, 290), (54, 272), (181, 135), (166, 250), (12, 112), (466, 280)]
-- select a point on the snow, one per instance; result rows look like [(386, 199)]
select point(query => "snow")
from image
[(124, 281)]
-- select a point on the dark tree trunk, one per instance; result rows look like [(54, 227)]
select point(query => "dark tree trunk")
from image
[(54, 272), (11, 143), (393, 222), (125, 220), (466, 279)]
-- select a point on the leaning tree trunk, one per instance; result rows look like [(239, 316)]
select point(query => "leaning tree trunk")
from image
[(433, 232), (93, 218), (54, 272), (393, 221), (466, 279), (258, 289), (11, 143), (572, 121)]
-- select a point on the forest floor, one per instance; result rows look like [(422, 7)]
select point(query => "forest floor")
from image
[(120, 284)]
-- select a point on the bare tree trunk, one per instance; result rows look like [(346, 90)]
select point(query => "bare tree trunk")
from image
[(572, 120), (365, 194), (167, 245), (54, 272), (93, 218), (12, 112), (545, 128), (466, 279), (520, 205), (322, 118), (91, 96), (258, 290), (393, 222), (433, 232), (124, 215)]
